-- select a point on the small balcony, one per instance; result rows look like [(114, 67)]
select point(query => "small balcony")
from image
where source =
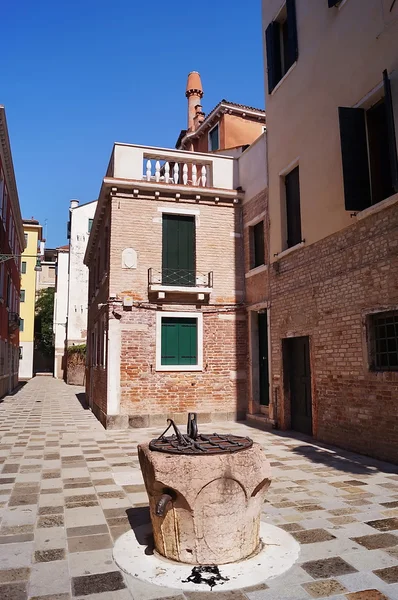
[(180, 281), (173, 172)]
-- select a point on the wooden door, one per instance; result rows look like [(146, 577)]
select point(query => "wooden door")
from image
[(298, 379)]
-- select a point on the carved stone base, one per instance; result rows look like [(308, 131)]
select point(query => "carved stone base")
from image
[(214, 514)]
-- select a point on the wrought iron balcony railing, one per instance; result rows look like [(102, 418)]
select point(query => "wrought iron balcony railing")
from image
[(180, 278)]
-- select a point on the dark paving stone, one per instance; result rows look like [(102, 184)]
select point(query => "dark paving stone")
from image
[(367, 595), (13, 539), (98, 482), (309, 508), (81, 504), (13, 591), (116, 532), (17, 500), (393, 504), (16, 529), (132, 489), (50, 510), (49, 555), (389, 574), (320, 589), (10, 469), (81, 498), (384, 524), (7, 480), (311, 536), (115, 512), (255, 588), (379, 540), (88, 530), (52, 491), (119, 495), (12, 575), (328, 567), (100, 470), (95, 584), (291, 527), (51, 521), (51, 474), (73, 486), (116, 521), (89, 542)]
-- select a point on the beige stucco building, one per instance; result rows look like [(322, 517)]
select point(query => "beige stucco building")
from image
[(331, 74)]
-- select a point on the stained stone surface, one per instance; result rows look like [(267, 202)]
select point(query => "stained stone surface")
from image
[(214, 517), (314, 487)]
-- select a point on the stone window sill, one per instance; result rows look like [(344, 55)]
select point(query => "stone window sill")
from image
[(256, 270), (290, 250), (179, 368), (375, 208), (283, 78)]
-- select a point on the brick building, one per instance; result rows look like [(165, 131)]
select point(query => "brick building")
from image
[(332, 94), (11, 245), (167, 323)]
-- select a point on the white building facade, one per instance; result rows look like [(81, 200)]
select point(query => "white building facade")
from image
[(61, 310), (81, 219), (72, 284)]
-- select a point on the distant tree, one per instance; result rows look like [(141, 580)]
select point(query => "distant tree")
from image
[(44, 321)]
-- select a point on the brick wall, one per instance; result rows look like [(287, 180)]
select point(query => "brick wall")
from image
[(218, 392), (256, 285), (325, 292), (148, 396)]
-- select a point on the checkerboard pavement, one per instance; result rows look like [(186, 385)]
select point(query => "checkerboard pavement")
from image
[(69, 489)]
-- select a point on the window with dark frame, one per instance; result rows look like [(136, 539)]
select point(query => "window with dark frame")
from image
[(383, 337), (214, 138), (90, 224), (281, 44), (22, 296), (369, 152), (293, 211), (23, 267), (21, 324), (257, 253)]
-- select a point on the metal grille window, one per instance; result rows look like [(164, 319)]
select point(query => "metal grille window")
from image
[(384, 341)]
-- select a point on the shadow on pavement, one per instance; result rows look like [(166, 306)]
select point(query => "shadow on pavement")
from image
[(331, 456), (82, 399)]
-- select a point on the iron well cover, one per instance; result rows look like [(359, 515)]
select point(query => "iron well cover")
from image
[(196, 443)]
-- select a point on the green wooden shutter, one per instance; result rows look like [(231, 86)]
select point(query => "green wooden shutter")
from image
[(169, 341), (291, 32), (392, 142), (188, 342), (354, 154), (178, 250), (274, 66), (179, 341)]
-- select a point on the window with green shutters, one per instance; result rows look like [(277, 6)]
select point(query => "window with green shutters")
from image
[(179, 341), (178, 250)]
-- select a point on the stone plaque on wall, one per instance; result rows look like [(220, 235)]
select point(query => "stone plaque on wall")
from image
[(129, 258)]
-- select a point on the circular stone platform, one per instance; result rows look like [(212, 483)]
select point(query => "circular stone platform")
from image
[(280, 551)]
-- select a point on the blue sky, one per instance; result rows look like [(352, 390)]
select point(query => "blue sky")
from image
[(78, 75)]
